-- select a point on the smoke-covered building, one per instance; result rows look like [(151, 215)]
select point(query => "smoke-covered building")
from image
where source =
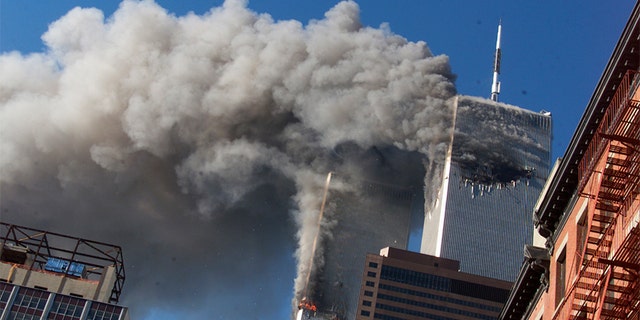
[(45, 275), (398, 284), (495, 169), (363, 214)]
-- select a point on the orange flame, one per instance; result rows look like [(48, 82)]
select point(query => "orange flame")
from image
[(307, 306)]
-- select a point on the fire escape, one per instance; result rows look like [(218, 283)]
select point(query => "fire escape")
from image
[(607, 285)]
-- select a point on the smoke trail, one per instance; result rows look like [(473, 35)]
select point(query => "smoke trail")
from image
[(201, 143)]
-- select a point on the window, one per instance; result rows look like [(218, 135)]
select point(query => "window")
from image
[(66, 307), (561, 275), (370, 284), (366, 303), (581, 232), (28, 304), (373, 264), (368, 293), (5, 293), (371, 274), (581, 236), (103, 311), (365, 313)]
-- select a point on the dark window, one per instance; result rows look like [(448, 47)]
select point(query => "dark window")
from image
[(368, 293), (581, 236), (5, 292), (416, 313), (366, 303), (28, 304), (449, 308), (439, 298), (66, 307), (430, 281), (370, 284), (103, 311), (365, 313), (561, 276), (373, 264), (371, 274)]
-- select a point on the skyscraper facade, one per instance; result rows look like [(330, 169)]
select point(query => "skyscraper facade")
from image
[(369, 214), (495, 169), (45, 275), (399, 284)]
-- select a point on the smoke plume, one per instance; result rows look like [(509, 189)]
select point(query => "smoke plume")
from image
[(201, 143)]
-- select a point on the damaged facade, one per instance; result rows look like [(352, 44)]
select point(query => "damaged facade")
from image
[(493, 174)]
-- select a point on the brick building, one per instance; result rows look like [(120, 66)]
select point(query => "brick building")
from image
[(589, 210)]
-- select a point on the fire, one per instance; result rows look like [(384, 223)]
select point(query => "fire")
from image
[(308, 308)]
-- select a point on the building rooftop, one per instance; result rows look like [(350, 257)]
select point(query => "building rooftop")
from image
[(419, 258), (61, 255)]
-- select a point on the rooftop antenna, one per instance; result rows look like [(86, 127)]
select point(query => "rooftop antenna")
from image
[(495, 86)]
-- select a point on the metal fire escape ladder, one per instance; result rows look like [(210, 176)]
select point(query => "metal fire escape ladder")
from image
[(587, 292), (624, 285), (624, 288), (611, 164)]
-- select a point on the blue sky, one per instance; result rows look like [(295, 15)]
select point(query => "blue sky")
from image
[(553, 53)]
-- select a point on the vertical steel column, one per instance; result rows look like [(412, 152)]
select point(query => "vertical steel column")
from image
[(85, 311), (47, 307)]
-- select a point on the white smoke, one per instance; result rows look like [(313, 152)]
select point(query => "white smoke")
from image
[(127, 125)]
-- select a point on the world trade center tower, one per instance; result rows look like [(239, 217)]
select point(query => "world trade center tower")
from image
[(494, 171)]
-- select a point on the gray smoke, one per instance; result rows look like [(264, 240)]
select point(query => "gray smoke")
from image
[(201, 143)]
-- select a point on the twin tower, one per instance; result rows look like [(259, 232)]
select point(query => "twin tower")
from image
[(496, 165)]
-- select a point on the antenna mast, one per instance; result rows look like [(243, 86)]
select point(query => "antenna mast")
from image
[(495, 86)]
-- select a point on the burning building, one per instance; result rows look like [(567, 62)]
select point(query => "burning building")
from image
[(496, 166), (360, 215), (221, 128), (495, 169)]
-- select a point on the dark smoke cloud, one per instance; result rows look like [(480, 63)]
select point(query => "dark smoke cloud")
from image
[(201, 143)]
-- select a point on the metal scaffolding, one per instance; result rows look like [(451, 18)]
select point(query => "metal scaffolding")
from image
[(43, 245)]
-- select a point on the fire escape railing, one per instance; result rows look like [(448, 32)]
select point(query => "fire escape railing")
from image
[(610, 122), (614, 151)]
